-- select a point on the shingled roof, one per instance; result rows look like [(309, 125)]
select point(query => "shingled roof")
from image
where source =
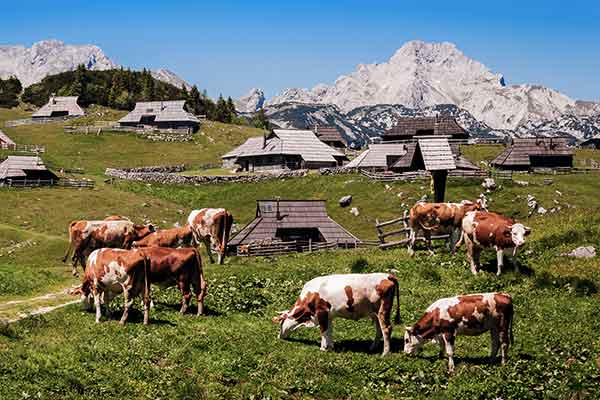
[(414, 126), (377, 155), (519, 152), (163, 111), (329, 134), (58, 104), (293, 214), (6, 142), (287, 142), (437, 154), (18, 166)]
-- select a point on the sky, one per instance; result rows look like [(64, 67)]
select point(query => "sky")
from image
[(229, 47)]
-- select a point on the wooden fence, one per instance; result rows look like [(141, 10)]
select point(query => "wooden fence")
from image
[(393, 177), (99, 129), (64, 182), (36, 121), (279, 248), (404, 230)]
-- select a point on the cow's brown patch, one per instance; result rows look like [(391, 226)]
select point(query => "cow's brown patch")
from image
[(309, 306), (493, 230), (350, 299), (468, 308)]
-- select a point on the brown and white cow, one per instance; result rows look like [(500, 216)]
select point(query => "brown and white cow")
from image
[(212, 227), (175, 237), (86, 236), (110, 272), (435, 217), (181, 268), (487, 229), (349, 296), (470, 315)]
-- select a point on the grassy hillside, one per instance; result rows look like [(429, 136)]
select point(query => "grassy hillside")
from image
[(233, 351)]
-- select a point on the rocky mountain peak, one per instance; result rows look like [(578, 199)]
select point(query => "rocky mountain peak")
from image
[(253, 101)]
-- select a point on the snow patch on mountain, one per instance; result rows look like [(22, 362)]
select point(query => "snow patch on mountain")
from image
[(421, 75)]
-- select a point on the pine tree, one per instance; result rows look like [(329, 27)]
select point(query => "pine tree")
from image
[(194, 101), (260, 120), (77, 87), (231, 110), (222, 111)]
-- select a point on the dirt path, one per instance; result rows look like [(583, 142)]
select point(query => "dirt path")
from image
[(16, 310)]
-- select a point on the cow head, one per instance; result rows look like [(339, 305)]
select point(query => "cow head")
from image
[(303, 314), (517, 233), (85, 294), (413, 342), (141, 231)]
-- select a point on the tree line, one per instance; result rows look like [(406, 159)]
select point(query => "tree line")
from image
[(122, 88), (10, 89)]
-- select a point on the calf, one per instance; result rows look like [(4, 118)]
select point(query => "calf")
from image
[(350, 296), (212, 227), (113, 271), (428, 217), (487, 229), (176, 237), (469, 315), (181, 268), (86, 236)]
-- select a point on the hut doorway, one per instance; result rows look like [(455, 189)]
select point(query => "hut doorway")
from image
[(55, 114), (299, 235)]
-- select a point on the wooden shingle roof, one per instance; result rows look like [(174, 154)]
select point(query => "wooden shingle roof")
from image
[(303, 143), (16, 166), (60, 104), (292, 214), (163, 111), (413, 126), (437, 154), (5, 141), (376, 156), (329, 134), (517, 154)]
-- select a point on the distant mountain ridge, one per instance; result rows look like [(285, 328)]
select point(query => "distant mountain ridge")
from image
[(421, 75), (50, 57)]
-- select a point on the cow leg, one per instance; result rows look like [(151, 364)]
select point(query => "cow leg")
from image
[(471, 255), (442, 344), (504, 340), (378, 333), (385, 324), (98, 305), (326, 330), (208, 249), (127, 303), (500, 258), (186, 296), (427, 235), (200, 290), (495, 344), (449, 345), (411, 242)]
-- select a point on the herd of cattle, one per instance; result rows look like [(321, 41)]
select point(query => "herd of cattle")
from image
[(119, 256)]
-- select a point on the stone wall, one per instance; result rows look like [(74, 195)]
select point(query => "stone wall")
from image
[(338, 171), (168, 175)]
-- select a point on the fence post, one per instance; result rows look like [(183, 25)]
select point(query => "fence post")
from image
[(310, 245)]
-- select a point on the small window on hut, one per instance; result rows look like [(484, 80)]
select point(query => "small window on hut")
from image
[(424, 132), (299, 234), (266, 208)]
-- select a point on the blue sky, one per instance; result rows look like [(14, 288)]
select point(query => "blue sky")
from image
[(231, 46)]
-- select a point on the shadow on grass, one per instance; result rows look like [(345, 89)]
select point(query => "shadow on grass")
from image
[(511, 264), (580, 286), (192, 309), (353, 346)]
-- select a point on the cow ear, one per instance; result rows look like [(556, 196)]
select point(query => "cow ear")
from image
[(527, 230)]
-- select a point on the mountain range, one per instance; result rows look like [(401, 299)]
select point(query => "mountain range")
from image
[(50, 57), (434, 79)]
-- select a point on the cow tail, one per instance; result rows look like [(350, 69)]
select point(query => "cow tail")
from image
[(146, 281), (70, 241), (512, 339), (397, 318)]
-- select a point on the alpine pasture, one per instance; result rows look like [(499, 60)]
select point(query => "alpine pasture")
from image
[(233, 351)]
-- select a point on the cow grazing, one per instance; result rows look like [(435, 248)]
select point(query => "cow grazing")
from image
[(116, 218), (349, 296), (431, 217), (487, 229), (175, 237), (181, 268), (86, 236), (212, 227), (110, 272), (469, 315)]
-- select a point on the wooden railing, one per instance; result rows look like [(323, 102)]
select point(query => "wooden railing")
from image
[(36, 121), (404, 230), (64, 182), (280, 248), (392, 177)]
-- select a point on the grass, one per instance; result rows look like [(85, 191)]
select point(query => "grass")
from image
[(233, 351)]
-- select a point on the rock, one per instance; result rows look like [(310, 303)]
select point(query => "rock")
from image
[(145, 205), (489, 184), (541, 210), (558, 193), (387, 187), (354, 211), (583, 252), (522, 183), (548, 181), (400, 194), (345, 201)]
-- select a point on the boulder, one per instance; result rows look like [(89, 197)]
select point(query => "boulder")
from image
[(583, 252), (345, 201), (489, 184), (354, 211)]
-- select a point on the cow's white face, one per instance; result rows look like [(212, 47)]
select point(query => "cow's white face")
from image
[(518, 233), (292, 320), (412, 342)]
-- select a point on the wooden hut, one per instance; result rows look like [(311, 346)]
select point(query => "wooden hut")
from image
[(411, 127), (526, 154), (161, 115), (283, 149), (59, 107), (331, 136), (591, 143), (25, 168), (6, 143), (301, 222)]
